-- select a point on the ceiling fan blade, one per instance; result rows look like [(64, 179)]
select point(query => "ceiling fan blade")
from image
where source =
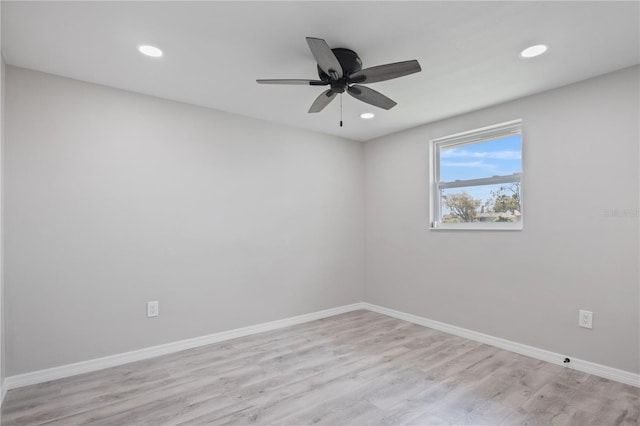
[(294, 81), (322, 101), (371, 97), (385, 72), (325, 58)]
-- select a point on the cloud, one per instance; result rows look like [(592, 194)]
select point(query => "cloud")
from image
[(496, 155), (473, 164)]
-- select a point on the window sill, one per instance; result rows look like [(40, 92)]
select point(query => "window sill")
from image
[(478, 227)]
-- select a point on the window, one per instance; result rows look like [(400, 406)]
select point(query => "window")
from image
[(477, 179)]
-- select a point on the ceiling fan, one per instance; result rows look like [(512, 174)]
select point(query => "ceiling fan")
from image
[(342, 70)]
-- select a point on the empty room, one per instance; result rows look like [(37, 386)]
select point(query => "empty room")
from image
[(320, 212)]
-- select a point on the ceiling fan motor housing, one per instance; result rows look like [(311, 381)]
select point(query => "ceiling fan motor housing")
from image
[(350, 63)]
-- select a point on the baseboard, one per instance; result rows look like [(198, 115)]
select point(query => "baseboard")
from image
[(611, 373), (68, 370)]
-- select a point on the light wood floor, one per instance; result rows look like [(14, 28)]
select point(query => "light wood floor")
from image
[(359, 368)]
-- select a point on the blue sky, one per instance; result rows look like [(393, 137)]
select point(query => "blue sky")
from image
[(497, 157)]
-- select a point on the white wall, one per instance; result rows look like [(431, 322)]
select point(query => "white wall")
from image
[(115, 198), (580, 160)]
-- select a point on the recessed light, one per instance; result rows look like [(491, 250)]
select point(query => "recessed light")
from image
[(533, 51), (152, 51), (367, 115)]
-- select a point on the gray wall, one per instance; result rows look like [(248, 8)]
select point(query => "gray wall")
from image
[(2, 298), (580, 160), (115, 198), (2, 109)]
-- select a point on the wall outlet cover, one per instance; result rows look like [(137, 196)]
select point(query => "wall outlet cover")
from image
[(585, 319), (153, 309)]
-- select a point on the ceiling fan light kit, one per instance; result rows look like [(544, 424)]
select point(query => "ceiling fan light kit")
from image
[(341, 69)]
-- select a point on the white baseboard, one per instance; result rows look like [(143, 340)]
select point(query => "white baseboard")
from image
[(611, 373), (68, 370)]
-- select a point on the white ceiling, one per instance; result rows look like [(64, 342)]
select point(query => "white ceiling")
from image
[(214, 51)]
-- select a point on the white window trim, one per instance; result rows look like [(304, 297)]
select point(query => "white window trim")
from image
[(435, 186)]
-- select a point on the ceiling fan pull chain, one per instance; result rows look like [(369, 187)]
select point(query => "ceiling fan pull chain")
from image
[(340, 109)]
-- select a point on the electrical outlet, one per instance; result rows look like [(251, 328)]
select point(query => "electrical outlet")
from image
[(585, 319), (153, 309)]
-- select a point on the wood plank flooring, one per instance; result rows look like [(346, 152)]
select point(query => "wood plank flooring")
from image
[(359, 368)]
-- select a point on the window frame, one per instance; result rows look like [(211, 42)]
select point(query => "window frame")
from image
[(483, 134)]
